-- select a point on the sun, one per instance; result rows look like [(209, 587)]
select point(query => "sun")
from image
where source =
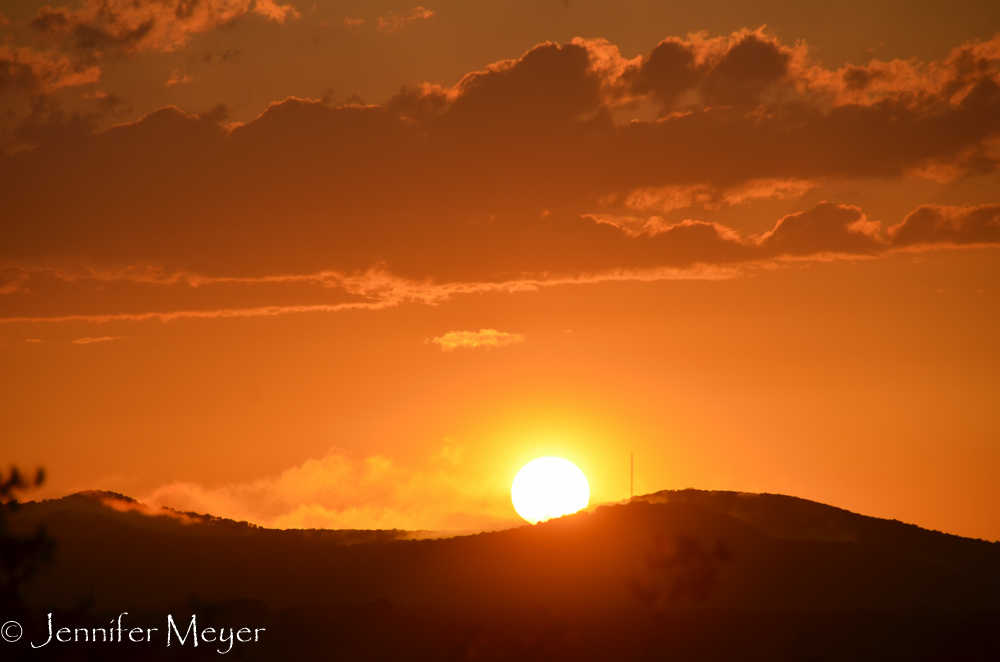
[(549, 487)]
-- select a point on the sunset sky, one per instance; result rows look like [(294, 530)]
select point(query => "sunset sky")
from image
[(353, 264)]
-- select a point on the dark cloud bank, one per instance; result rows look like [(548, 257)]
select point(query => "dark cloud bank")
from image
[(526, 170)]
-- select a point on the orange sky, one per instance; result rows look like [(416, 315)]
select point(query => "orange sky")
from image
[(353, 264)]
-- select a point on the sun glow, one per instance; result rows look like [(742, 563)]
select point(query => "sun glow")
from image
[(549, 487)]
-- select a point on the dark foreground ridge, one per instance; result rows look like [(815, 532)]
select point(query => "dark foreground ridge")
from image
[(679, 574)]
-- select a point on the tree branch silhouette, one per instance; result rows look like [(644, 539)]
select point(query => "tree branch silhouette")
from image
[(21, 556)]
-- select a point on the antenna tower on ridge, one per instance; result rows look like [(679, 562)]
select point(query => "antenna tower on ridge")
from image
[(631, 475)]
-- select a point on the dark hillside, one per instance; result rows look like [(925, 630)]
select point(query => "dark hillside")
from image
[(599, 559), (792, 518)]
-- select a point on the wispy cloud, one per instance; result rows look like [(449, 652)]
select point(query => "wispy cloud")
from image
[(264, 311), (177, 79), (473, 339), (90, 341), (380, 290), (706, 251), (393, 22)]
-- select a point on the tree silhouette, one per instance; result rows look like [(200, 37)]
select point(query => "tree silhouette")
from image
[(21, 556)]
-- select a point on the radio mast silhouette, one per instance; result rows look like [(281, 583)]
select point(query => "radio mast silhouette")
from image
[(631, 475)]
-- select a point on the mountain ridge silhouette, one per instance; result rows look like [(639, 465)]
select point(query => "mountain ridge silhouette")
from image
[(783, 553), (794, 518)]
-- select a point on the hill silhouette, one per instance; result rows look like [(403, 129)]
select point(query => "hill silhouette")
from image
[(755, 564), (793, 518)]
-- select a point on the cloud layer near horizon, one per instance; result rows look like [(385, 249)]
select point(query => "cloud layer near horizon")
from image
[(341, 492), (568, 164)]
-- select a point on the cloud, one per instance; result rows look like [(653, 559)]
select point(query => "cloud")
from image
[(128, 27), (488, 338), (33, 72), (78, 38), (924, 84), (177, 79), (694, 249), (377, 290), (347, 22), (825, 229), (338, 491), (669, 198), (90, 341), (389, 23), (440, 190), (765, 189), (275, 12), (394, 22), (170, 316), (935, 225), (751, 65), (14, 280), (753, 68)]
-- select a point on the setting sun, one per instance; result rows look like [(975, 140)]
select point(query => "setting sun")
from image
[(549, 487)]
